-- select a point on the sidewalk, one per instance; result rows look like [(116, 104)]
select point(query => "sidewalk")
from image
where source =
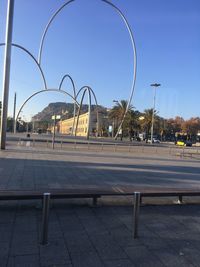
[(81, 235)]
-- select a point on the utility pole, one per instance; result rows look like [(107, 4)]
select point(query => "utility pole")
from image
[(6, 72), (54, 130), (155, 85), (14, 110)]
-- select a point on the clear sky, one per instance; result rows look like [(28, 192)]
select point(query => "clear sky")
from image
[(89, 41)]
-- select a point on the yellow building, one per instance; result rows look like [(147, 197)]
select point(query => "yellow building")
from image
[(66, 126)]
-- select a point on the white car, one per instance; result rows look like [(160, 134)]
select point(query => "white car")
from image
[(155, 141)]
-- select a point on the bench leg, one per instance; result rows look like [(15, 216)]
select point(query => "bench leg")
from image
[(180, 199), (94, 201), (136, 214), (45, 219)]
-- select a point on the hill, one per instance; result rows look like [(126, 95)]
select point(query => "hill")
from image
[(61, 108)]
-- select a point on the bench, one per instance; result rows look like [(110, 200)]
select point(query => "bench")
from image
[(94, 193)]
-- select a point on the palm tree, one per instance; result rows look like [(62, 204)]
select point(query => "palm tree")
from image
[(0, 110), (117, 114), (146, 123)]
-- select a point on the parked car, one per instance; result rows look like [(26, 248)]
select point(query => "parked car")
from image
[(184, 143), (155, 141)]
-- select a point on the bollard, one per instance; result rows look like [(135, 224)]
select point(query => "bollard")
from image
[(94, 201), (115, 147), (180, 199), (45, 219), (136, 214), (143, 149)]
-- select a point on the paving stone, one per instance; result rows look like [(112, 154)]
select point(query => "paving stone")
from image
[(141, 256), (119, 263), (3, 261), (4, 248), (5, 232), (24, 243), (24, 261), (107, 247), (78, 243), (54, 253), (86, 259)]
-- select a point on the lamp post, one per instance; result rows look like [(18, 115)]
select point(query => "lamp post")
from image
[(155, 85), (6, 74), (54, 118), (113, 124)]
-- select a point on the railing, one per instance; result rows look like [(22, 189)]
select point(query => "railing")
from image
[(193, 152)]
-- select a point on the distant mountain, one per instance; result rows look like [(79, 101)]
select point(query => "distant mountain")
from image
[(61, 108)]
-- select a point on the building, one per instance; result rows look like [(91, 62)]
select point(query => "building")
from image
[(66, 126)]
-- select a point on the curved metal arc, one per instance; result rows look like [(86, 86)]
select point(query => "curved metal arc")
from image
[(90, 90), (42, 91), (74, 91), (75, 112), (72, 82), (95, 99), (46, 29), (89, 112), (78, 115), (132, 42), (25, 50), (134, 60)]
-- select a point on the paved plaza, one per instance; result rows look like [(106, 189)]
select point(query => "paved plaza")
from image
[(82, 235)]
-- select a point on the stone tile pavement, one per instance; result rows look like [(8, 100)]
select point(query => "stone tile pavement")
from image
[(84, 236), (81, 235)]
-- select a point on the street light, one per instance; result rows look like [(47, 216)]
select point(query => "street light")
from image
[(155, 85), (113, 123)]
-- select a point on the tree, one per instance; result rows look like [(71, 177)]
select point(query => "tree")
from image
[(117, 114), (191, 126)]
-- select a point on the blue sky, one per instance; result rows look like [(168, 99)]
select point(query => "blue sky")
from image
[(89, 41)]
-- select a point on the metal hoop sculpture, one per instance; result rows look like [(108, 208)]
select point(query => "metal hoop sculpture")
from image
[(95, 99), (132, 43), (35, 60), (89, 109), (74, 91), (42, 91)]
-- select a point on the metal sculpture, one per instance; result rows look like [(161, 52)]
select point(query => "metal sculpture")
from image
[(89, 91), (43, 91), (74, 91), (35, 60), (84, 88), (132, 44)]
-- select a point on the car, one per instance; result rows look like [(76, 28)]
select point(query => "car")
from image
[(155, 141), (184, 143), (180, 143)]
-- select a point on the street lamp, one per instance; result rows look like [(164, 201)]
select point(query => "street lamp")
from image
[(113, 123), (155, 85)]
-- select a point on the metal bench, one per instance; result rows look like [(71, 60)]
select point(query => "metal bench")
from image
[(45, 195), (168, 192), (93, 193)]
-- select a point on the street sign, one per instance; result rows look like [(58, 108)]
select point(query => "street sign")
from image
[(57, 117), (110, 128)]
